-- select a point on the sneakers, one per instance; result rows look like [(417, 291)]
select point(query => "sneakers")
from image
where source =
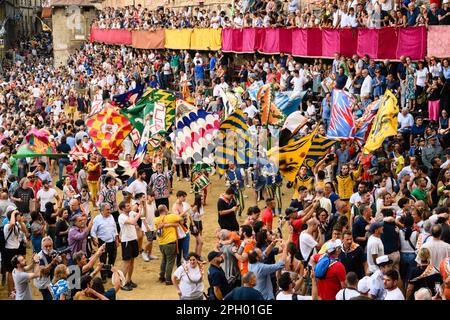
[(127, 287), (152, 257), (178, 179), (162, 279), (186, 179), (132, 284), (169, 283), (145, 256)]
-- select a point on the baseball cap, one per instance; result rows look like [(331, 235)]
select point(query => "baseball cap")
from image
[(213, 254), (364, 285), (333, 245), (374, 226), (382, 260)]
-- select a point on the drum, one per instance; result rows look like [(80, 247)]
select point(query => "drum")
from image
[(200, 182)]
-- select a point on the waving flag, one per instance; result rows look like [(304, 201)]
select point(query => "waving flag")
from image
[(385, 123), (270, 114), (108, 129), (128, 98), (320, 146), (364, 123), (194, 135), (291, 157), (289, 101), (231, 101), (37, 143), (341, 122), (167, 98), (232, 142), (253, 89), (139, 113)]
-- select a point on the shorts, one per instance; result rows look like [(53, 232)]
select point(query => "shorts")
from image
[(199, 226), (72, 109), (7, 256), (150, 235), (130, 250)]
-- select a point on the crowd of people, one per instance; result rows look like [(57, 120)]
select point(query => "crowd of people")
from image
[(277, 13), (357, 227)]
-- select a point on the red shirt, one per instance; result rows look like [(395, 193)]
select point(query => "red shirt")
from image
[(267, 218), (331, 284), (297, 225)]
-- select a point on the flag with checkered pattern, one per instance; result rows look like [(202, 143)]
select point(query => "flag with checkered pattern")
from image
[(108, 129)]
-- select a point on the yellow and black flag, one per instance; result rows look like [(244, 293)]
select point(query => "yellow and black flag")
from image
[(291, 157), (232, 142)]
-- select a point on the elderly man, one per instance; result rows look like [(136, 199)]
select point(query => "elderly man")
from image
[(366, 88), (264, 271), (78, 234), (104, 231), (47, 264)]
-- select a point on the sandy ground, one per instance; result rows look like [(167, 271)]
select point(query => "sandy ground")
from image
[(146, 273)]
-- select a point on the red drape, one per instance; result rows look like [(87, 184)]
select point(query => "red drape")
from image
[(113, 36)]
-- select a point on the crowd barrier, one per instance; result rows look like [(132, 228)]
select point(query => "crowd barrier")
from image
[(382, 43)]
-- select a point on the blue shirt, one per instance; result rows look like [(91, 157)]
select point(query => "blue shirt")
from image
[(104, 228), (244, 293), (212, 63), (71, 142), (263, 280), (412, 17), (326, 110), (378, 89), (200, 71)]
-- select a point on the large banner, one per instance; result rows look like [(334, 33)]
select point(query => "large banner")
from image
[(383, 43), (438, 41), (148, 39), (112, 36)]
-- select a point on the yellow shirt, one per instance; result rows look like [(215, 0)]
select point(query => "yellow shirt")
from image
[(307, 182), (169, 234)]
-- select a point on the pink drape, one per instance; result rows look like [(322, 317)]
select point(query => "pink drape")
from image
[(438, 41), (113, 36), (384, 43)]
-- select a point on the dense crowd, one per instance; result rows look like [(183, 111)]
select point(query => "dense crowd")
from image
[(289, 14), (358, 227)]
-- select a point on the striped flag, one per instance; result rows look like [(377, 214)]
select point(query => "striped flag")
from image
[(320, 146), (253, 89), (341, 125), (232, 142)]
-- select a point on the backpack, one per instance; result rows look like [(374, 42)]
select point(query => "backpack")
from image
[(322, 266)]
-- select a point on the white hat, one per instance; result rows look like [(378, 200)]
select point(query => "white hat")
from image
[(383, 260), (364, 285), (121, 276), (333, 245), (445, 1)]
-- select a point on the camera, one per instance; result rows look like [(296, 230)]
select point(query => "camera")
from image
[(107, 267), (56, 253)]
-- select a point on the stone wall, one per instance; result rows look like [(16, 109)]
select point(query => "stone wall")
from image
[(70, 30)]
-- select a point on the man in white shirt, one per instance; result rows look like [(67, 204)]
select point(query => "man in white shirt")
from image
[(148, 227), (439, 249), (366, 87), (308, 242), (128, 237), (139, 185), (351, 290), (375, 247), (46, 195), (391, 285), (406, 120), (298, 81), (250, 109)]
